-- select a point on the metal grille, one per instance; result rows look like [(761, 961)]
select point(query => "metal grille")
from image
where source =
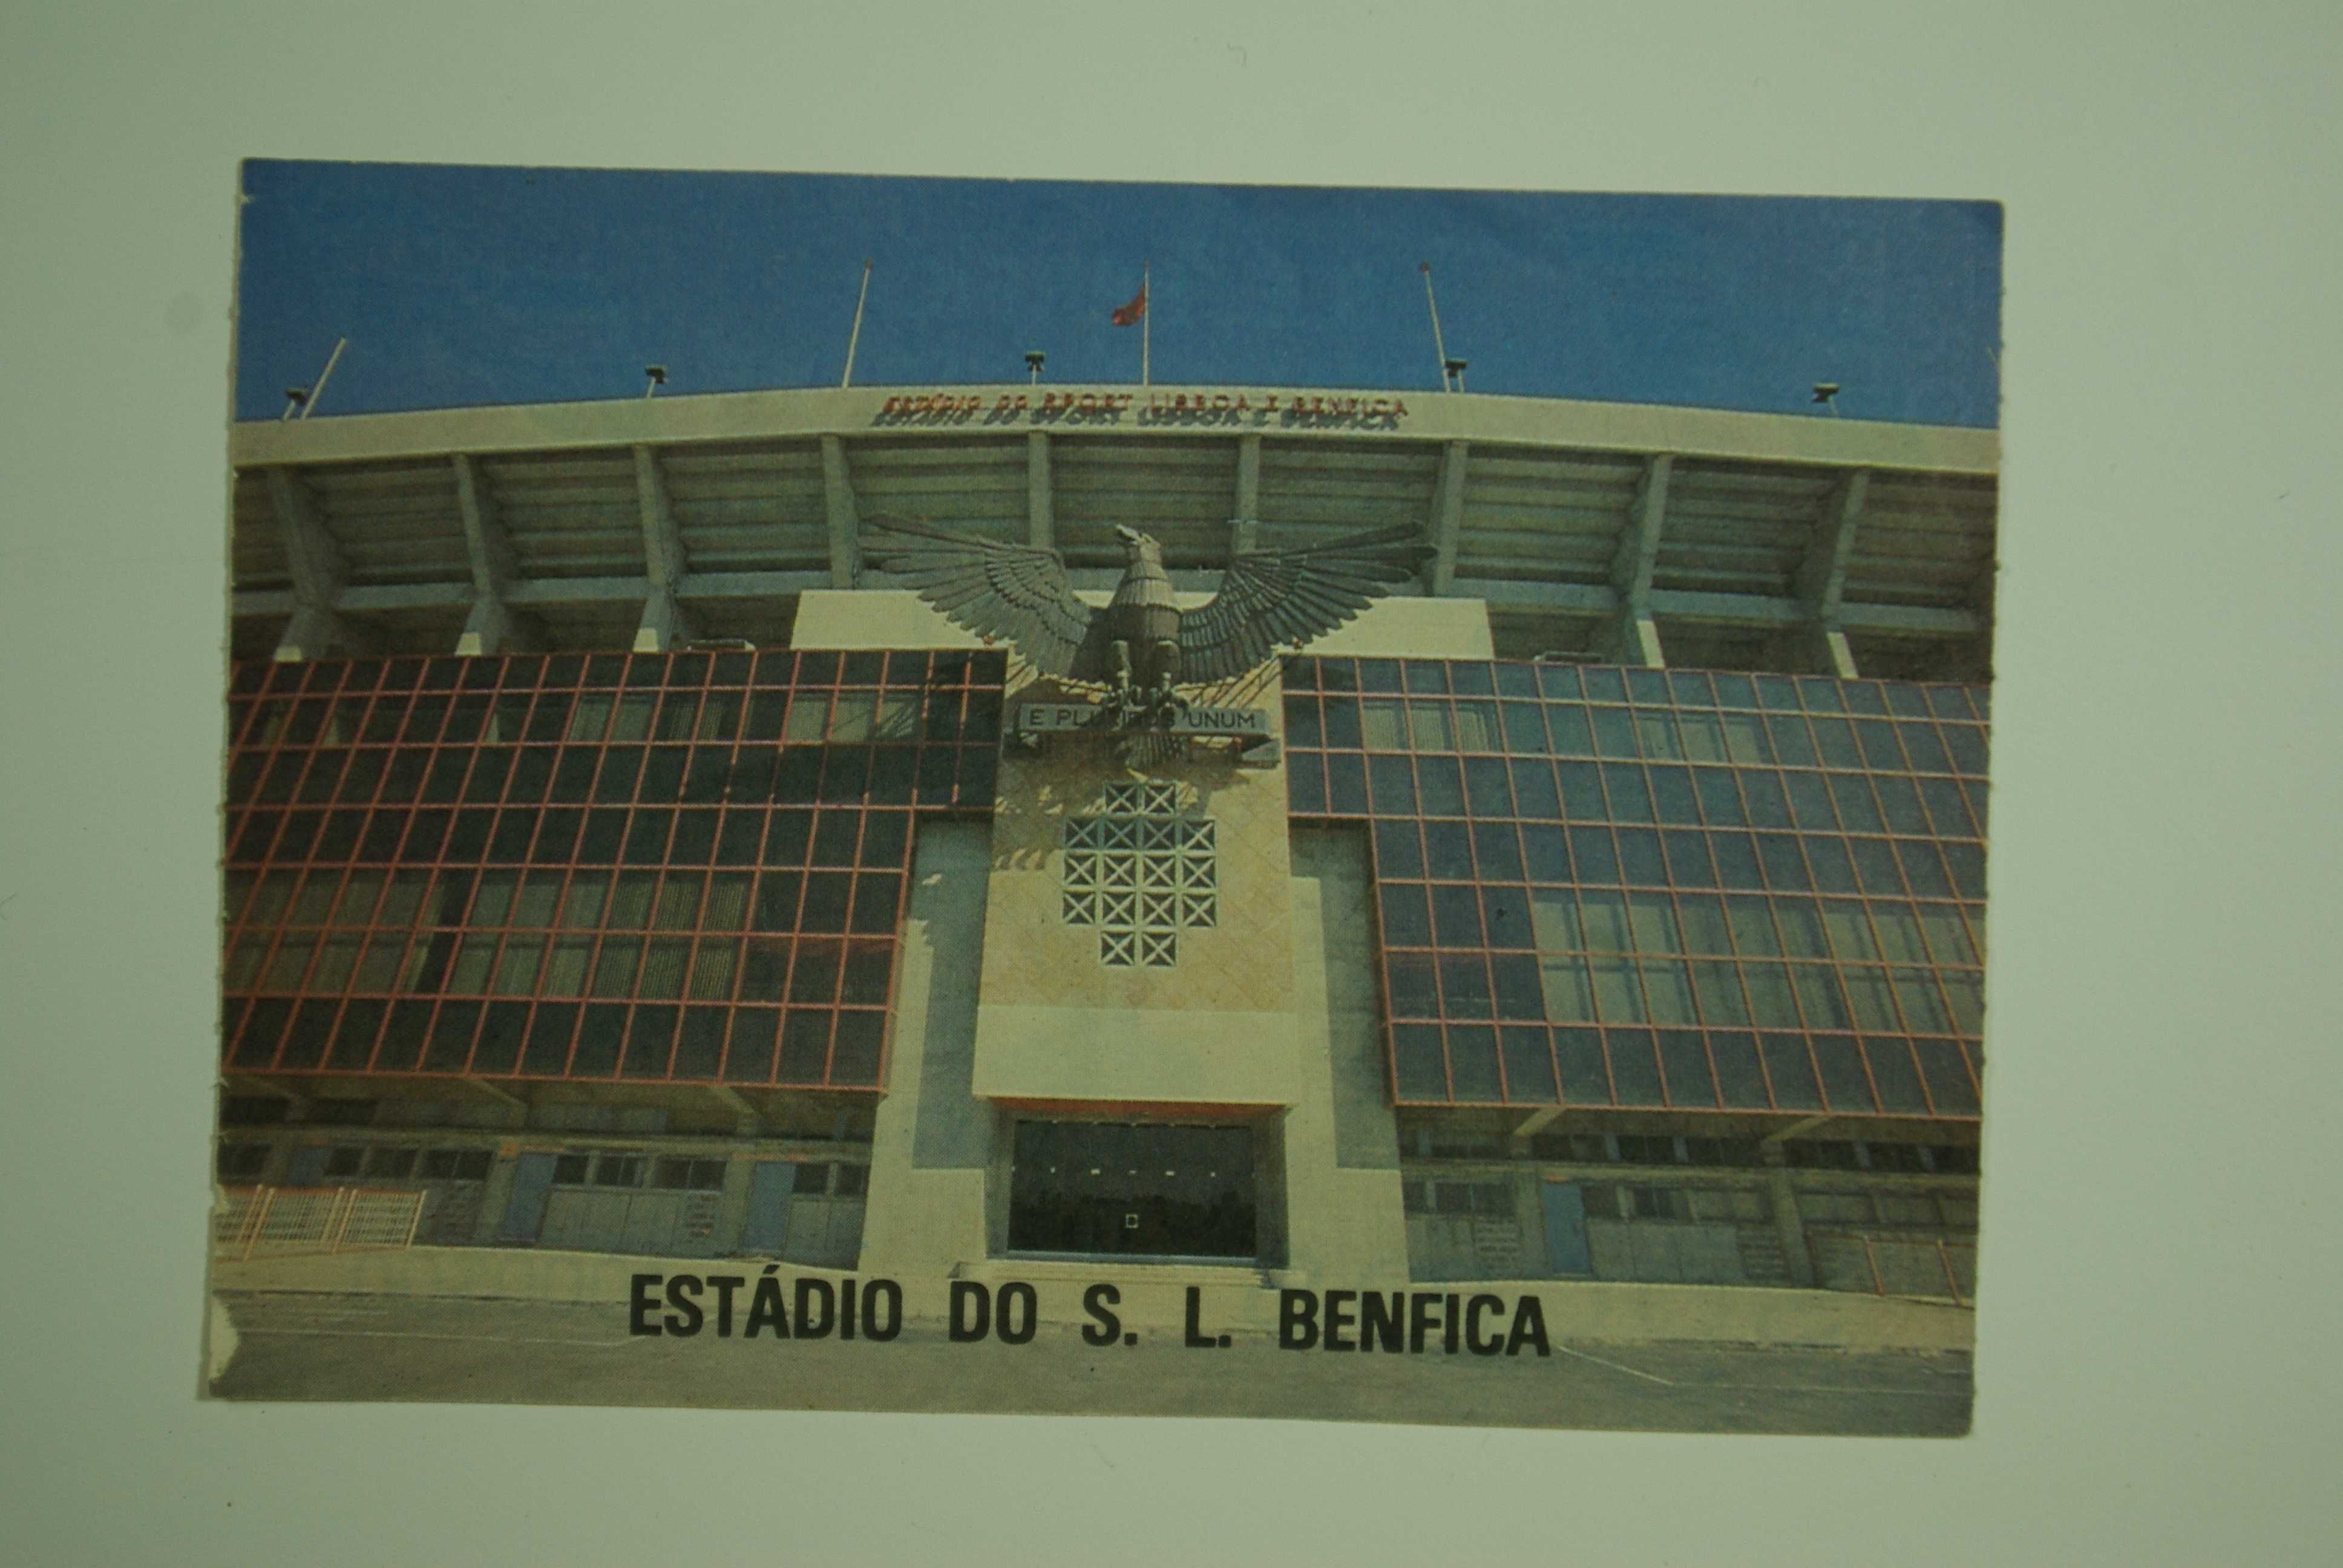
[(1140, 871), (283, 1221)]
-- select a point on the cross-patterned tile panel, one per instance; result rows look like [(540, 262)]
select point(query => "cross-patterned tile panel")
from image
[(1141, 871)]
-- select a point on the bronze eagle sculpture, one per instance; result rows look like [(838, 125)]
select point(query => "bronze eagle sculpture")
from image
[(1141, 644)]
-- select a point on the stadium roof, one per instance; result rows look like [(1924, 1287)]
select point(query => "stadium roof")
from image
[(1727, 529)]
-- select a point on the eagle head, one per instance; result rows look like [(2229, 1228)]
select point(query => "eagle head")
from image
[(1138, 546)]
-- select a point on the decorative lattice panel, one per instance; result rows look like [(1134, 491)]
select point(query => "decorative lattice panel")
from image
[(1142, 871)]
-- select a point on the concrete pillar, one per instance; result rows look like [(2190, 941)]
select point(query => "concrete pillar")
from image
[(1529, 1218), (1249, 476), (1041, 511), (496, 1195), (1636, 640), (1342, 1140), (1788, 1226), (732, 1203), (1447, 517), (838, 510), (934, 1142)]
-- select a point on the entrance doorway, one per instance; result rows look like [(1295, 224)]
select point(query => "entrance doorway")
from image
[(1125, 1189)]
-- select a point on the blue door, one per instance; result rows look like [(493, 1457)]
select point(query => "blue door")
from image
[(1566, 1231), (308, 1167), (525, 1209), (766, 1225)]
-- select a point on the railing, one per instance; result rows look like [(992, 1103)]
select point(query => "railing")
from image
[(1922, 1266), (288, 1221)]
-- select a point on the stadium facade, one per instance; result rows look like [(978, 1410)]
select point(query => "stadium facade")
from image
[(617, 854)]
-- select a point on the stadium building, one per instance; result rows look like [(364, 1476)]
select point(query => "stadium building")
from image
[(620, 855)]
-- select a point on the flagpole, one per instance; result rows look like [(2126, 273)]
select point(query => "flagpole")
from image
[(1438, 347), (1146, 316), (855, 337)]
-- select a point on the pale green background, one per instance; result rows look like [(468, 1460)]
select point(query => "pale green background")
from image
[(2158, 1379)]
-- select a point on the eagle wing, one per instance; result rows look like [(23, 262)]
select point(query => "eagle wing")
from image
[(1013, 593), (1269, 597)]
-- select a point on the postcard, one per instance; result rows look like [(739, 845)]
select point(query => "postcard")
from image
[(1019, 796)]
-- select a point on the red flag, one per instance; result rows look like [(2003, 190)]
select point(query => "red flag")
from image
[(1129, 315)]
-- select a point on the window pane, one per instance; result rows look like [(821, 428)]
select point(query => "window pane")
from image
[(1603, 921), (1669, 992), (809, 719), (1771, 1004), (1472, 1063), (631, 904), (1915, 993), (1737, 1070), (1476, 726), (614, 971), (1585, 1080), (379, 970), (1818, 996), (1554, 918), (516, 968), (1506, 912), (1655, 727), (1652, 920), (1792, 1071), (1615, 733), (470, 975), (336, 956), (565, 970), (1406, 920), (1753, 927), (1948, 1079), (1965, 993), (1418, 1067), (1702, 737), (1635, 1072), (1464, 987), (1866, 990), (1412, 993), (1569, 997), (1720, 995), (1456, 915), (1686, 1064), (1617, 997), (1844, 1080), (285, 970), (1704, 928), (1850, 932), (1529, 1067)]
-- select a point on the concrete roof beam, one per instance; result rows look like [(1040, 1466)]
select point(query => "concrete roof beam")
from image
[(1820, 584), (317, 628), (839, 507), (664, 624), (1041, 508), (1447, 524), (1634, 635), (491, 627)]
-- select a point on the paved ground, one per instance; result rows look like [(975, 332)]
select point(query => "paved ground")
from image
[(294, 1346)]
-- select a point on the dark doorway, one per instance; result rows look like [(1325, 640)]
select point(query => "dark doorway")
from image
[(1116, 1188)]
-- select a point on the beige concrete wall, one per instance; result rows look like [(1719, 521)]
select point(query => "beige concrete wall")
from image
[(1056, 1023), (1413, 629), (897, 617), (1342, 1142), (873, 617), (933, 1140)]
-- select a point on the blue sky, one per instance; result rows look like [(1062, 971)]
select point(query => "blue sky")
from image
[(479, 285)]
